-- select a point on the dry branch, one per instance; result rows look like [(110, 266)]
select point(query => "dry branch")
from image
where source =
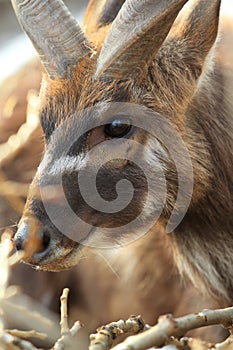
[(8, 342), (198, 344), (12, 191), (16, 142), (64, 314), (168, 331), (105, 335), (168, 326), (30, 314), (10, 339), (11, 188), (26, 334), (67, 334)]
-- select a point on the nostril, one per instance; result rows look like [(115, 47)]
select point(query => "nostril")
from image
[(45, 239), (18, 244), (34, 239)]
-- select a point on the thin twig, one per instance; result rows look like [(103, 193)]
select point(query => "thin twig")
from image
[(26, 334), (9, 342), (11, 149), (12, 188), (11, 194), (67, 334), (64, 315), (6, 247), (16, 142), (35, 316)]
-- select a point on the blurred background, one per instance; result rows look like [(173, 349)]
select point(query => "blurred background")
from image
[(13, 43)]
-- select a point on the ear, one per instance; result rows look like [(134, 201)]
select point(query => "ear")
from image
[(182, 58), (135, 37), (100, 13), (196, 31)]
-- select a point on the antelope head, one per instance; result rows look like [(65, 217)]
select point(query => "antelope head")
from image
[(114, 107)]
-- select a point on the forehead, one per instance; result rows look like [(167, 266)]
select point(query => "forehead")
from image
[(82, 91)]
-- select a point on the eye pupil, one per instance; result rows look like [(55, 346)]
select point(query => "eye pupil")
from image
[(118, 128)]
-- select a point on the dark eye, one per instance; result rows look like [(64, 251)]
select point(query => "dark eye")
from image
[(118, 127)]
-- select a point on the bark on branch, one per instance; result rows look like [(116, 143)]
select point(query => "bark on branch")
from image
[(168, 326), (105, 335)]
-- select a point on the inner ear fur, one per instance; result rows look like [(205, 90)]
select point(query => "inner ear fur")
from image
[(177, 71), (194, 33), (100, 13)]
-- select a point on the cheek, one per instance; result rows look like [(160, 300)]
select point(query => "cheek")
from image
[(113, 180), (125, 189), (92, 202)]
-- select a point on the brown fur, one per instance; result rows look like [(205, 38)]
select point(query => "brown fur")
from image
[(145, 280), (187, 85)]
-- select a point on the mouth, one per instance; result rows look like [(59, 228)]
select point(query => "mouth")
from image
[(61, 259), (45, 248)]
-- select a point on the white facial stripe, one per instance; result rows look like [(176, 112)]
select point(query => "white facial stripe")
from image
[(152, 147), (63, 164), (67, 163)]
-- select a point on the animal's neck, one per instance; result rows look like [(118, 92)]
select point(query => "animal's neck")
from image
[(206, 229), (198, 247)]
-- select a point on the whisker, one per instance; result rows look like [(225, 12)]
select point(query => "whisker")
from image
[(108, 264)]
